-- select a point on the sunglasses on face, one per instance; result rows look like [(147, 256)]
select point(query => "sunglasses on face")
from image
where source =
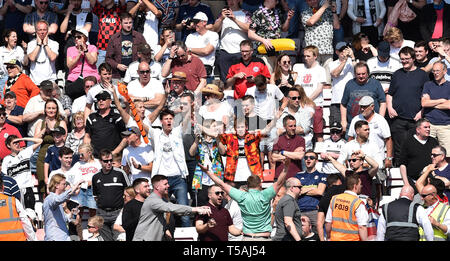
[(89, 226), (435, 155), (107, 161), (78, 36), (299, 187), (295, 98), (310, 157), (144, 72), (335, 132), (353, 160), (10, 67), (426, 195), (286, 62), (3, 114), (219, 193)]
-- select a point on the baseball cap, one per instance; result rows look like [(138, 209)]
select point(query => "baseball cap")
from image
[(59, 130), (14, 62), (131, 130), (10, 94), (103, 95), (81, 31), (341, 45), (46, 85), (336, 126), (384, 49), (366, 101), (200, 16)]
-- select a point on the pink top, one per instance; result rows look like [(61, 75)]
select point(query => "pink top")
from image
[(88, 70), (439, 26)]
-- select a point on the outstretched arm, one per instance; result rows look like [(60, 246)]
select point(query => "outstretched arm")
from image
[(216, 179)]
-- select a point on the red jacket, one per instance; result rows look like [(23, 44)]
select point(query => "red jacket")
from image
[(24, 88)]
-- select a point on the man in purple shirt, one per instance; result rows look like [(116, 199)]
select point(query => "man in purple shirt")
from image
[(289, 145)]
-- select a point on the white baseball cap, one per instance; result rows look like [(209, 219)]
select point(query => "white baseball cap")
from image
[(200, 16)]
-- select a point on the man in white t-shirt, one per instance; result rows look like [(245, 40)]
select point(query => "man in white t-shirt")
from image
[(383, 66), (65, 156), (333, 147), (17, 166), (203, 43), (233, 24), (380, 134), (312, 76), (152, 16), (42, 53), (144, 53), (137, 158), (150, 91), (341, 71)]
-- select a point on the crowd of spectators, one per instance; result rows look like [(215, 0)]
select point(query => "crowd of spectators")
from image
[(156, 114)]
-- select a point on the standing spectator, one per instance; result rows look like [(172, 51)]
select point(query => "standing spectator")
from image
[(367, 18), (421, 53), (312, 77), (411, 27), (170, 158), (104, 126), (122, 46), (437, 212), (152, 225), (137, 157), (79, 104), (132, 208), (75, 19), (357, 88), (287, 213), (162, 50), (14, 113), (10, 51), (333, 147), (334, 187), (107, 188), (241, 74), (214, 108), (439, 167), (81, 59), (16, 165), (76, 136), (19, 83), (42, 53), (254, 204), (289, 145), (347, 217), (341, 71), (176, 90), (55, 218), (380, 134), (235, 213), (394, 37), (434, 23), (383, 66), (266, 26), (203, 44), (42, 13), (415, 146), (403, 99), (13, 14), (233, 24), (283, 76), (186, 12), (313, 186), (307, 232), (145, 20), (169, 9), (436, 104), (217, 225), (6, 130), (318, 23), (180, 59), (108, 23), (395, 225)]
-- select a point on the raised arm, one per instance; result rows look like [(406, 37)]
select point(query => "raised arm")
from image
[(217, 180)]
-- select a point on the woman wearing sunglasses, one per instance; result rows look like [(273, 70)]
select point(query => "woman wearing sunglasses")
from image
[(283, 76)]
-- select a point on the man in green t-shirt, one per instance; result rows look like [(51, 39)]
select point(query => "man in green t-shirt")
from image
[(254, 204)]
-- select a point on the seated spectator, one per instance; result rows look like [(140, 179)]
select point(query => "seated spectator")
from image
[(144, 54), (75, 137), (186, 13), (162, 50), (137, 157), (81, 59), (44, 13), (283, 76), (203, 43), (42, 53), (10, 51), (5, 131), (261, 33), (363, 49), (94, 226), (394, 37), (241, 74), (232, 24), (19, 83), (333, 146), (79, 104), (14, 113), (146, 18)]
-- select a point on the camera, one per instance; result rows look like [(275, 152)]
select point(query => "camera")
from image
[(189, 21)]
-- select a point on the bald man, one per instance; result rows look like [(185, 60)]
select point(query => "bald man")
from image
[(400, 219), (438, 213), (287, 213)]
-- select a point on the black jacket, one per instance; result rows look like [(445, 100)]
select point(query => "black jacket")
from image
[(428, 18)]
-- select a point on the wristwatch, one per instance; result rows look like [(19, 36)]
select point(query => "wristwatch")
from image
[(389, 158), (282, 152), (139, 166)]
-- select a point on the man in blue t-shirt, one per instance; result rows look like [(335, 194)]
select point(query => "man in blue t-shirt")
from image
[(357, 88), (313, 186)]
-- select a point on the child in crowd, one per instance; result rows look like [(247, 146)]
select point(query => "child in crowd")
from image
[(94, 225)]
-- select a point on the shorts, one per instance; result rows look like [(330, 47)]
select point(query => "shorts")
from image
[(86, 199)]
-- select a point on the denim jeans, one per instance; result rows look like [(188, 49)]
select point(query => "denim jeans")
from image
[(178, 187)]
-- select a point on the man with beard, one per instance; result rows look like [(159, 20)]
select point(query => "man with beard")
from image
[(132, 209)]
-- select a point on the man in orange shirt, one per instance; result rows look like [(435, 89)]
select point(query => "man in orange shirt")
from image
[(19, 83)]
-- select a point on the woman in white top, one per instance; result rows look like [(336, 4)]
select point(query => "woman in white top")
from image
[(10, 52)]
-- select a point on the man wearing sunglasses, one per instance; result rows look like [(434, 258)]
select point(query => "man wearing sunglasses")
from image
[(437, 212), (314, 184), (217, 225), (333, 146), (287, 213), (107, 188)]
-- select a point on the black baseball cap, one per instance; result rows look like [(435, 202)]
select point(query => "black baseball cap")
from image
[(103, 95), (59, 130)]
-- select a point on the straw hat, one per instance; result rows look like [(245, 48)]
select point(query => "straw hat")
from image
[(212, 88)]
